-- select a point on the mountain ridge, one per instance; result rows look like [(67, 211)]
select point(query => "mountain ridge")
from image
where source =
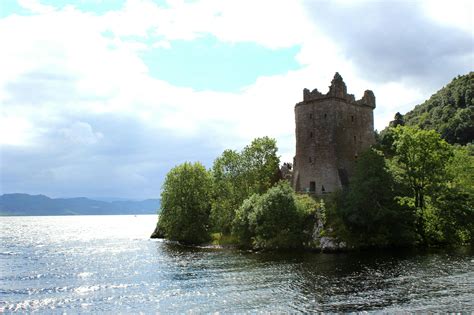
[(21, 204)]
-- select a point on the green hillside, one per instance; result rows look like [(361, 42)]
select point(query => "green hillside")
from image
[(450, 111)]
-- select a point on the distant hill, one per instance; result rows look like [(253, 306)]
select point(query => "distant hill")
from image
[(450, 111), (24, 204)]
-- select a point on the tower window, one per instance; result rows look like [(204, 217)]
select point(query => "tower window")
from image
[(355, 138), (310, 160), (352, 118), (312, 186), (311, 134), (325, 115), (310, 116), (322, 189)]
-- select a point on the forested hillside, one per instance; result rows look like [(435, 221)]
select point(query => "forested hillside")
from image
[(450, 111)]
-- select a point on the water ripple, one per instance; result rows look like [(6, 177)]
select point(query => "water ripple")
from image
[(107, 264)]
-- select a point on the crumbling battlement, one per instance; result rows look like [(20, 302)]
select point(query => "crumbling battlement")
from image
[(338, 89)]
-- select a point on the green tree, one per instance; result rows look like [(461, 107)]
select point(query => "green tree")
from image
[(310, 211), (277, 220), (186, 203), (274, 220), (453, 216), (237, 176), (261, 165), (422, 156), (385, 139), (242, 228), (369, 210), (461, 168), (228, 192), (454, 203)]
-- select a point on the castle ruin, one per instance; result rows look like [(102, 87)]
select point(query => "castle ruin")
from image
[(331, 130)]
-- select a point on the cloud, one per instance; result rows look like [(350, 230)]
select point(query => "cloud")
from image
[(35, 6), (81, 133), (395, 40), (272, 24), (38, 87), (109, 155), (15, 130), (82, 115)]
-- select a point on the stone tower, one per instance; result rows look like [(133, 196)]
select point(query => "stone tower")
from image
[(331, 130)]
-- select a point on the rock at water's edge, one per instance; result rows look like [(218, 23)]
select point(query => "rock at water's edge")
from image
[(157, 233), (331, 244)]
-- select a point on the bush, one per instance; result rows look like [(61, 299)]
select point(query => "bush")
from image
[(307, 209), (241, 227), (273, 220)]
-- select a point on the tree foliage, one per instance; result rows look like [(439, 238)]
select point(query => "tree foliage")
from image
[(369, 210), (450, 111), (454, 203), (243, 224), (385, 139), (276, 219), (422, 155), (273, 220), (440, 178), (239, 175), (424, 193), (186, 204), (261, 165), (228, 175)]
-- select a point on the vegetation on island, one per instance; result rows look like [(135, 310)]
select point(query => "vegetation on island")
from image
[(240, 199), (186, 204), (367, 213), (239, 175), (414, 187), (276, 219), (422, 194)]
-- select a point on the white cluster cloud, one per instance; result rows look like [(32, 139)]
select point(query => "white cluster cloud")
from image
[(63, 70)]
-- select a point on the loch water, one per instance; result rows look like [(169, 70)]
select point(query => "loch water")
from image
[(107, 264)]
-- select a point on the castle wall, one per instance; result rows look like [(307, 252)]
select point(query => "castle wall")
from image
[(331, 131)]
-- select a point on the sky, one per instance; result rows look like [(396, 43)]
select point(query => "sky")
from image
[(101, 98)]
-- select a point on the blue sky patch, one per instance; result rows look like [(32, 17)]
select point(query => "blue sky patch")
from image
[(9, 7), (208, 64)]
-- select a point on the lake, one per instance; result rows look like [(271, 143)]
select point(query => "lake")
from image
[(108, 264)]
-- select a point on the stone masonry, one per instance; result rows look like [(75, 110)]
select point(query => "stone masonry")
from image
[(331, 130)]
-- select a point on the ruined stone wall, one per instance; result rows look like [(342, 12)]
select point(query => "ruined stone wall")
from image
[(331, 131)]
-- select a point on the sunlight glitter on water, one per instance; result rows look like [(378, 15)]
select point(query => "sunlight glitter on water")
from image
[(109, 264)]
